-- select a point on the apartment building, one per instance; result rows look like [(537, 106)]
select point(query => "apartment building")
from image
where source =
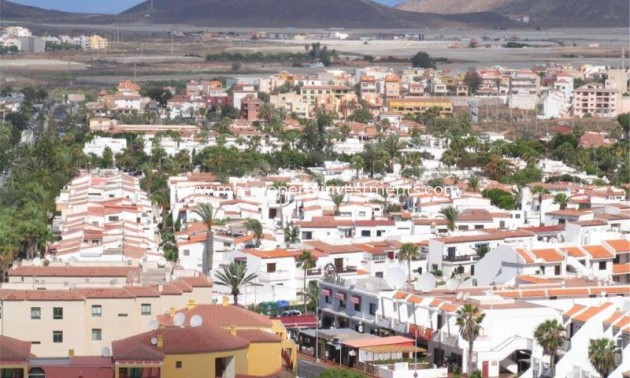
[(596, 101), (419, 105)]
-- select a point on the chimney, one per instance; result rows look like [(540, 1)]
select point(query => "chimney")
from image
[(191, 304), (160, 341), (172, 312), (226, 301), (233, 330)]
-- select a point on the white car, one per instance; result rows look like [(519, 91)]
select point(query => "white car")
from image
[(291, 313)]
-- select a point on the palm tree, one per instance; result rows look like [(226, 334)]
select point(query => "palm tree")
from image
[(305, 261), (473, 183), (161, 198), (469, 319), (337, 198), (235, 277), (450, 213), (254, 226), (601, 354), (207, 213), (392, 146), (550, 336), (539, 190), (561, 199), (408, 252), (357, 163)]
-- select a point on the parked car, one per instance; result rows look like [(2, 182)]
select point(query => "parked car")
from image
[(291, 313)]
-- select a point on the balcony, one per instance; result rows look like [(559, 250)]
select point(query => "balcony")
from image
[(349, 269), (314, 272), (461, 258), (280, 275)]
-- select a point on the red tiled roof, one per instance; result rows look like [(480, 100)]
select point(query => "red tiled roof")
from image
[(258, 336), (222, 316), (390, 340), (176, 340), (619, 269), (73, 271), (598, 252), (548, 254), (14, 350), (619, 245)]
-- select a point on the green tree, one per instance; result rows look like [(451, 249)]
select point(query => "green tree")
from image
[(539, 191), (472, 80), (422, 60), (469, 320), (392, 145), (550, 336), (305, 261), (357, 163), (234, 276), (207, 213), (473, 183), (255, 227), (337, 198), (601, 354), (161, 198), (408, 252), (562, 200), (450, 214)]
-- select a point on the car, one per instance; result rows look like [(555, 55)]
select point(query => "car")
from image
[(291, 313)]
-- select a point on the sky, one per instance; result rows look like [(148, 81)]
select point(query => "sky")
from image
[(106, 6)]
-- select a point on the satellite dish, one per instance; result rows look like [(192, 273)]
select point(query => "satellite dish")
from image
[(426, 282), (105, 352), (153, 324), (179, 319), (452, 284), (161, 262), (395, 278), (196, 321), (466, 296), (459, 296), (154, 341), (37, 261)]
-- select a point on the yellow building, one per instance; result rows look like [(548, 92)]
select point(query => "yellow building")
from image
[(98, 43), (419, 105), (270, 349)]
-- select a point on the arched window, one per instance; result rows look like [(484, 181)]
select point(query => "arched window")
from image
[(36, 373)]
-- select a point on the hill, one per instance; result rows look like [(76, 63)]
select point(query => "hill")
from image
[(18, 12), (299, 13), (545, 13)]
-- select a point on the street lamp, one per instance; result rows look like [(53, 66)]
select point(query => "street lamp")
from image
[(316, 299)]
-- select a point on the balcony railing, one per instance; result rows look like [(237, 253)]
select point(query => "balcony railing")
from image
[(280, 275), (346, 269), (314, 272), (461, 258)]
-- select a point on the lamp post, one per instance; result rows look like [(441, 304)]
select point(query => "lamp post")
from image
[(316, 299)]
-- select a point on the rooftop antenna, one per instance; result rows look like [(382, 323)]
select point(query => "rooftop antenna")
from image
[(452, 284), (154, 341), (179, 319), (395, 278)]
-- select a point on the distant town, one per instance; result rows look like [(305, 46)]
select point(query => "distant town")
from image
[(342, 216)]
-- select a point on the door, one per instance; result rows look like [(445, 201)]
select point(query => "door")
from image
[(339, 265), (484, 369)]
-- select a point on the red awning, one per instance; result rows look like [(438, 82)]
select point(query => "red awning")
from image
[(341, 296), (419, 332), (326, 292), (356, 300)]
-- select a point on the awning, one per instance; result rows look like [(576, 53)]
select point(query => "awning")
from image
[(326, 292), (341, 296), (393, 349), (355, 299)]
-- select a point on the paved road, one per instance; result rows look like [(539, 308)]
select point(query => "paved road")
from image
[(309, 369)]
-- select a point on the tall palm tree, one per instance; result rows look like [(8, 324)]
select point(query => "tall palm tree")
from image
[(550, 336), (207, 213), (562, 200), (450, 213), (408, 252), (256, 228), (161, 198), (337, 198), (469, 319), (392, 146), (235, 277), (305, 261), (601, 354), (357, 163)]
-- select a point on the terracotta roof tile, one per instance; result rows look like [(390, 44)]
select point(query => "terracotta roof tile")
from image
[(258, 336), (598, 252), (573, 252), (573, 310), (548, 254), (585, 315), (400, 295), (222, 316), (73, 271), (14, 350), (619, 269), (619, 245)]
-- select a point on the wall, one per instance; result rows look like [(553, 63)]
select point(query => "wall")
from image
[(264, 358), (202, 365)]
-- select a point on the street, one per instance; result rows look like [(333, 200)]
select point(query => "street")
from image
[(309, 369)]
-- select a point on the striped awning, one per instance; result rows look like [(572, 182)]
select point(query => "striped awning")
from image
[(355, 299), (341, 296), (326, 292)]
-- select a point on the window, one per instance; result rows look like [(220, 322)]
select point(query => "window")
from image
[(57, 336), (366, 233), (178, 364), (271, 268), (36, 373), (122, 315), (97, 310), (357, 307), (380, 232), (328, 299), (97, 334), (36, 312), (186, 252), (57, 312), (113, 218), (372, 308), (602, 265), (361, 213), (342, 304), (145, 309)]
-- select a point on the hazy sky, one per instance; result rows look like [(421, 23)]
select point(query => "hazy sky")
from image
[(105, 6)]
